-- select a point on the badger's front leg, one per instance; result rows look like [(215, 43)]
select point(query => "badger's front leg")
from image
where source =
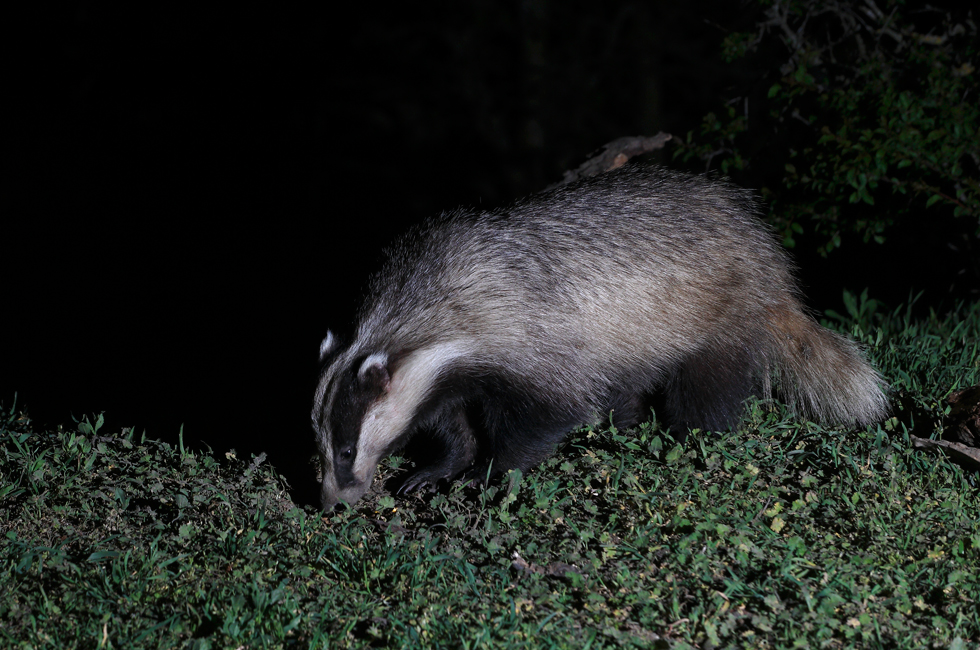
[(453, 430)]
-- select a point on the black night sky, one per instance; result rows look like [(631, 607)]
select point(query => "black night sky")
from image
[(195, 196)]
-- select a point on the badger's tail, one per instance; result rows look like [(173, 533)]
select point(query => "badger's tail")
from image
[(823, 375)]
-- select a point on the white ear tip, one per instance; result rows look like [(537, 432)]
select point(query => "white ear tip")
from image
[(327, 344), (376, 360)]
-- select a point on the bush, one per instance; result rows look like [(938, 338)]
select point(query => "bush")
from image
[(857, 117)]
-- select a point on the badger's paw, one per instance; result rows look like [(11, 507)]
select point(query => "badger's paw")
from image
[(479, 474), (425, 480)]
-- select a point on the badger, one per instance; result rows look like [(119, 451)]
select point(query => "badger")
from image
[(496, 333)]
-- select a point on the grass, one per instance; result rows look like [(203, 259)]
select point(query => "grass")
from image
[(781, 534)]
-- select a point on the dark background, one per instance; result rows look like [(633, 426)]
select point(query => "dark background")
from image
[(195, 196)]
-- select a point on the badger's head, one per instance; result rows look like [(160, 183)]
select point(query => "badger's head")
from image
[(365, 406), (354, 426)]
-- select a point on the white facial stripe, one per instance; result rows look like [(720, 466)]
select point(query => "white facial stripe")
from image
[(329, 483), (387, 418), (330, 491), (321, 390)]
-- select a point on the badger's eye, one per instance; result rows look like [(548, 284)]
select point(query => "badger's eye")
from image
[(346, 453)]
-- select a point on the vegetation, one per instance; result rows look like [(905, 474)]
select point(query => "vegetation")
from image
[(780, 534), (851, 118)]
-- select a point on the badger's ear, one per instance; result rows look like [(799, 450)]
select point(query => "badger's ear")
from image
[(373, 374), (327, 345)]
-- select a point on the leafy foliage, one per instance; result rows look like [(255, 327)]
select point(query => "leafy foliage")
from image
[(779, 534), (871, 117)]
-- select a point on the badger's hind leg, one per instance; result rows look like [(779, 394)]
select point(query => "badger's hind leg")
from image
[(452, 443), (709, 388)]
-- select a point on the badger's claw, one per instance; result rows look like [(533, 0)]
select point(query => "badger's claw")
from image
[(426, 480), (479, 474)]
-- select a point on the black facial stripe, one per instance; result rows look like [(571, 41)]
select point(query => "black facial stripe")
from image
[(350, 404)]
